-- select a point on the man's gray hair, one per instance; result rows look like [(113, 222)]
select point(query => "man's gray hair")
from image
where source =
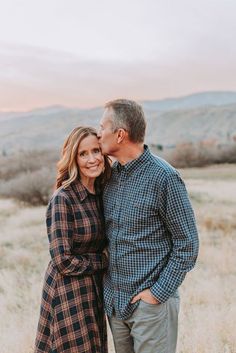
[(129, 116)]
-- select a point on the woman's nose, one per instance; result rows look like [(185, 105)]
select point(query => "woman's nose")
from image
[(91, 157)]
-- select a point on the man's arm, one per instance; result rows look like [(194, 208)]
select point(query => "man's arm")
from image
[(178, 217)]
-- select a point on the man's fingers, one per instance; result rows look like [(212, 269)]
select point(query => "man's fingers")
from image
[(134, 299)]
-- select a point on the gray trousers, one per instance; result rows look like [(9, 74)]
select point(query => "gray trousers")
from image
[(152, 328)]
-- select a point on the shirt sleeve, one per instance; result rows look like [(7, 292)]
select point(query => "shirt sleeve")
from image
[(178, 217), (60, 222)]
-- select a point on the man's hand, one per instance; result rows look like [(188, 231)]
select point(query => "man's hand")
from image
[(146, 296)]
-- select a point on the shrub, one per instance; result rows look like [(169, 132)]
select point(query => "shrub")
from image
[(33, 188), (225, 224), (199, 155), (26, 162), (28, 176)]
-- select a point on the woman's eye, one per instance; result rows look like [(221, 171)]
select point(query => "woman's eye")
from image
[(82, 154)]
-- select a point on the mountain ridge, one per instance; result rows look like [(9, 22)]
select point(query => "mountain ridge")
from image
[(185, 120)]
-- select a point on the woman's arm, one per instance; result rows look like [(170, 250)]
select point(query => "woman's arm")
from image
[(60, 222)]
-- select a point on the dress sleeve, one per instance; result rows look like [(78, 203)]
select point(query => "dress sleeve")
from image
[(178, 217), (60, 223)]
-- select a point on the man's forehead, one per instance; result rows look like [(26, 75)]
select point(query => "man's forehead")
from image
[(106, 118)]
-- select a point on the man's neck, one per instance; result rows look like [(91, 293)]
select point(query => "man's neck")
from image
[(129, 152)]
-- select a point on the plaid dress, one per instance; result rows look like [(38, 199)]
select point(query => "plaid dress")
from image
[(72, 318)]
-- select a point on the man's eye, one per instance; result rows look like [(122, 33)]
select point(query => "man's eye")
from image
[(97, 150)]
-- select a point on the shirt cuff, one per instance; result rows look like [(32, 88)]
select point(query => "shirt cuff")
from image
[(159, 293)]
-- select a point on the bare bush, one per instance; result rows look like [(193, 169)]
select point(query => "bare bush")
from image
[(26, 162), (199, 155), (28, 176), (33, 188), (226, 224), (228, 155)]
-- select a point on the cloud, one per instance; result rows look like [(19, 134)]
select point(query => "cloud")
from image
[(33, 77)]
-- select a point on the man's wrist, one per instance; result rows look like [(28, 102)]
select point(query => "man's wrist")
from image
[(153, 295)]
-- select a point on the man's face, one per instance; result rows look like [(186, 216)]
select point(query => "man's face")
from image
[(107, 138)]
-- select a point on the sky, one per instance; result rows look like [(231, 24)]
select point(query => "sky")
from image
[(83, 53)]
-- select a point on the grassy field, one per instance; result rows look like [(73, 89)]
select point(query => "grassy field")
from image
[(208, 294)]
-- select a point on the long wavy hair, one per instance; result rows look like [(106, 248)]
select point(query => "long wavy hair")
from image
[(67, 167)]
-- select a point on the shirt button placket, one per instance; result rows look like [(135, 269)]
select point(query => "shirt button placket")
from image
[(119, 206)]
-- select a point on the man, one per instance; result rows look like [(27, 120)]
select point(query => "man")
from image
[(153, 240)]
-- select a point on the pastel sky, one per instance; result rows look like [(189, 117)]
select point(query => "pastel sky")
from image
[(82, 53)]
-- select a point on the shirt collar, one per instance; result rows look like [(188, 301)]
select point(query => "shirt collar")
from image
[(81, 190), (135, 163)]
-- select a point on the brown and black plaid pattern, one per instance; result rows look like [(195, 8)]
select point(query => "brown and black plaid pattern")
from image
[(72, 317)]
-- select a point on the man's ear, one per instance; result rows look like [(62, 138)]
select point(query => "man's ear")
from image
[(121, 135)]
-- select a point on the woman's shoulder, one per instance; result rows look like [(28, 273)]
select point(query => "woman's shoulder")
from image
[(60, 195)]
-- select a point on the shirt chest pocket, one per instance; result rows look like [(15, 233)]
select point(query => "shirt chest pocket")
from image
[(141, 211)]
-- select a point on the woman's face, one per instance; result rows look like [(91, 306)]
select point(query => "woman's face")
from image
[(89, 158)]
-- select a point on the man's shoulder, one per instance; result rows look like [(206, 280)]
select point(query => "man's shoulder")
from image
[(161, 167), (153, 168)]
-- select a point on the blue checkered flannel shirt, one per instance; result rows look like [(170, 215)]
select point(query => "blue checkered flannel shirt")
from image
[(150, 225)]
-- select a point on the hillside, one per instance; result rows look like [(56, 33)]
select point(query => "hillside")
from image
[(208, 124), (209, 117), (192, 101)]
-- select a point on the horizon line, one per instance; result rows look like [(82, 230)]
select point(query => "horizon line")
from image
[(58, 105)]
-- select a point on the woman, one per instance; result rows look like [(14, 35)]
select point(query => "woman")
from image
[(71, 317)]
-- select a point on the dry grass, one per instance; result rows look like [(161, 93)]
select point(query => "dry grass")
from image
[(23, 257), (208, 295), (208, 311)]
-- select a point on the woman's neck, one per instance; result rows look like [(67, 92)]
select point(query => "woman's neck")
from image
[(89, 184)]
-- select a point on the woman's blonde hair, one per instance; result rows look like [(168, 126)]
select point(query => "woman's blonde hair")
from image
[(67, 167)]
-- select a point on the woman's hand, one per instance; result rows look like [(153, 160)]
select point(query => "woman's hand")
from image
[(106, 252)]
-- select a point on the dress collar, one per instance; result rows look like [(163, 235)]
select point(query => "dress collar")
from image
[(81, 190)]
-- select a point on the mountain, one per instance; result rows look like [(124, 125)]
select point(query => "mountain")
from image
[(192, 101), (209, 117), (211, 125)]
